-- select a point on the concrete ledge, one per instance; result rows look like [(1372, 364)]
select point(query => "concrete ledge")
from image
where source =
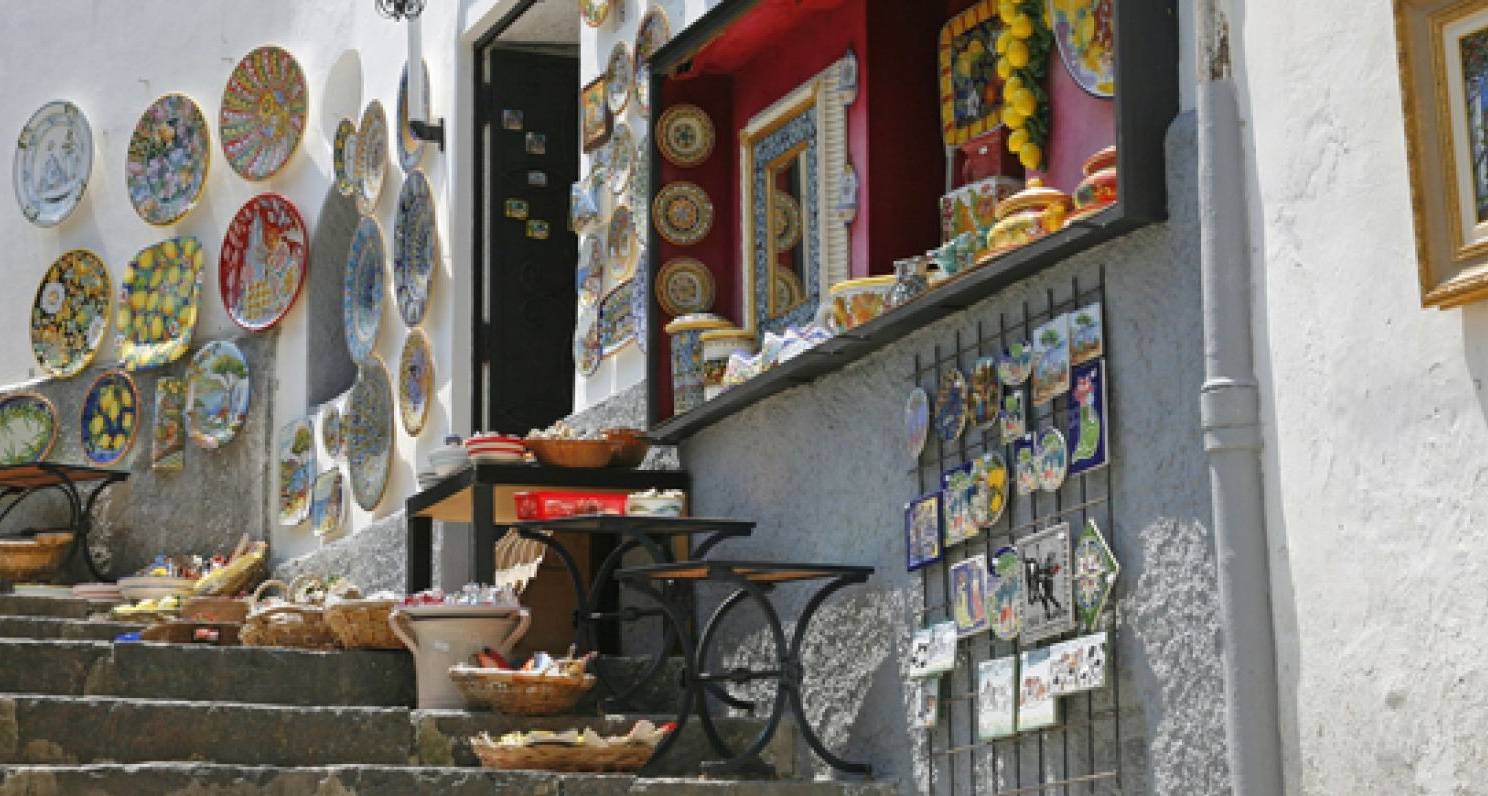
[(56, 607), (45, 627)]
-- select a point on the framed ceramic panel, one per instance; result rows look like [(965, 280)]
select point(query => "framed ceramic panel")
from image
[(969, 596), (168, 448), (1051, 358), (594, 112), (994, 481), (927, 703), (922, 531), (1038, 707), (1078, 664), (932, 650), (1012, 419), (1005, 594), (968, 54), (1025, 465), (1087, 334), (997, 698), (1095, 570), (1089, 427), (1049, 605), (964, 497), (296, 469)]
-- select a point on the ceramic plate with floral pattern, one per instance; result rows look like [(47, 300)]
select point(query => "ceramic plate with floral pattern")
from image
[(622, 158), (343, 155), (53, 160), (916, 422), (655, 30), (415, 248), (1087, 42), (950, 405), (683, 213), (296, 469), (28, 428), (327, 503), (265, 255), (684, 286), (264, 108), (621, 75), (330, 430), (1095, 570), (370, 166), (219, 391), (622, 245), (1016, 364), (685, 135), (410, 149), (586, 349), (70, 313), (156, 312), (594, 12), (369, 433), (362, 289), (1052, 456), (590, 276), (415, 382), (169, 154), (110, 418)]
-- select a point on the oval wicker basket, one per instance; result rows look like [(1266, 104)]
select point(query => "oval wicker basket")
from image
[(215, 609), (519, 693), (578, 453), (288, 625), (26, 559), (561, 757), (363, 624)]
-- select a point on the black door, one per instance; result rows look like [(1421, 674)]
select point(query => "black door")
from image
[(527, 157)]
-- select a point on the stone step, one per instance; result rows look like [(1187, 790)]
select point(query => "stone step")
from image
[(46, 627), (49, 729), (56, 607), (231, 780)]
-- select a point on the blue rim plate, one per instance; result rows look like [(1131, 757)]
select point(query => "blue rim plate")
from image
[(362, 290)]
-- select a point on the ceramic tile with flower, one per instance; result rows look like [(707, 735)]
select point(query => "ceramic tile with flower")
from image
[(296, 466), (1005, 593), (70, 313), (1087, 337), (991, 472), (157, 307), (1095, 570), (1089, 429), (1051, 360)]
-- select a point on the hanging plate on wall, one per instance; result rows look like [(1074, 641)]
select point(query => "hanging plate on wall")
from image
[(263, 112), (411, 149), (369, 433), (594, 12), (69, 315), (654, 30), (156, 313), (617, 318), (362, 290), (169, 155), (415, 382), (683, 213), (622, 245), (415, 247), (787, 221), (916, 422), (110, 418), (53, 160), (344, 157), (686, 135), (621, 75), (330, 430), (265, 255), (219, 392), (622, 158), (28, 428), (1087, 42), (586, 350), (591, 270), (684, 286), (327, 503), (371, 157), (296, 469)]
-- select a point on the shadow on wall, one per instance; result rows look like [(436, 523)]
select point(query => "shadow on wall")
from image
[(329, 369)]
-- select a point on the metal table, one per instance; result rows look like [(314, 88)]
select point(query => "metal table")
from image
[(21, 481), (753, 580)]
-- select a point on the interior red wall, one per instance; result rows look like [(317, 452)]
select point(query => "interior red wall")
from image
[(1082, 124)]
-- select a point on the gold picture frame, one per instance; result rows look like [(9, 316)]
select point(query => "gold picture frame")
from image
[(594, 114), (1443, 63)]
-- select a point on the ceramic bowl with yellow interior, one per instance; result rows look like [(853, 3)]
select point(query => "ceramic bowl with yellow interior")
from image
[(1098, 190), (1032, 213), (855, 302)]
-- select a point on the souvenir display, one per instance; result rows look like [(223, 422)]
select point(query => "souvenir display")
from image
[(997, 703), (973, 208), (1037, 706), (1025, 465), (369, 433), (855, 302), (950, 405), (28, 428), (415, 382), (415, 248), (264, 108), (218, 394), (685, 135), (1014, 416), (683, 213), (1095, 571), (787, 224), (684, 286), (932, 650), (927, 703), (156, 312), (327, 503), (986, 393), (1051, 360), (916, 422), (168, 157), (371, 157), (1099, 189), (1049, 608), (1015, 364), (964, 503), (1086, 334), (640, 180), (922, 530), (536, 144), (970, 87), (583, 206), (1078, 664), (296, 469), (622, 158), (411, 148), (591, 270), (168, 451), (1005, 593), (110, 418), (1052, 458), (594, 12), (362, 290), (516, 208), (619, 76), (617, 319), (330, 430), (992, 474), (1087, 42), (687, 357), (69, 315), (653, 31), (265, 255), (53, 161), (1089, 429), (1032, 213), (537, 229), (586, 350), (621, 245), (594, 113), (969, 596), (343, 156)]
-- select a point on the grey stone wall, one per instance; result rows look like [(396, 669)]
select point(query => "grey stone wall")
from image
[(821, 469)]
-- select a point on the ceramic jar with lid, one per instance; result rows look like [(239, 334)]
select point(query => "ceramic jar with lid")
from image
[(911, 278), (718, 346), (687, 357), (1098, 190), (1028, 215), (855, 302)]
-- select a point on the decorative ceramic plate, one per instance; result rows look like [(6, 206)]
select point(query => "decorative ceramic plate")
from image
[(622, 158), (53, 160), (686, 135), (415, 247), (621, 74), (219, 387), (971, 91), (1095, 570), (265, 255), (950, 405), (28, 428), (962, 498), (344, 156), (362, 289), (590, 277), (787, 221), (586, 350), (1005, 593), (653, 31), (156, 312), (640, 176), (410, 149), (1016, 364), (594, 12), (986, 393), (70, 313), (684, 286), (683, 213), (369, 433), (371, 157), (415, 382), (263, 112), (168, 158), (916, 422), (168, 437), (617, 318), (1087, 42), (110, 418), (992, 471), (296, 468), (1052, 458), (327, 503), (621, 245), (788, 290), (330, 430)]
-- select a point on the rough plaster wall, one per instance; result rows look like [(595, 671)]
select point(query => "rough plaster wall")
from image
[(1374, 472), (374, 558), (820, 469)]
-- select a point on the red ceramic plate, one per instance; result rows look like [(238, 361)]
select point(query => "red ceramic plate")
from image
[(265, 255)]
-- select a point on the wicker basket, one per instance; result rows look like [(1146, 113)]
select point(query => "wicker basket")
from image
[(289, 625), (22, 560), (215, 610), (561, 757), (363, 624), (580, 453), (519, 693)]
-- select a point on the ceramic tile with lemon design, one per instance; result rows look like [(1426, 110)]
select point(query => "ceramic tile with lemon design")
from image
[(110, 418), (157, 303), (1087, 42)]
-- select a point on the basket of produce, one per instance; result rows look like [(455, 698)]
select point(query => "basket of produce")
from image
[(281, 623), (543, 687), (27, 559), (363, 624), (572, 751)]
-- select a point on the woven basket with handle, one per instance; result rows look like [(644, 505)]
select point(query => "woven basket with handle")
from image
[(363, 624), (286, 625)]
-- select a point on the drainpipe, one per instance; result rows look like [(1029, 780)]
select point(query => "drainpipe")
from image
[(1230, 414)]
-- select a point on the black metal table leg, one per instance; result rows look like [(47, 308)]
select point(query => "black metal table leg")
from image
[(794, 685), (484, 527), (619, 699), (747, 761), (420, 574), (691, 686)]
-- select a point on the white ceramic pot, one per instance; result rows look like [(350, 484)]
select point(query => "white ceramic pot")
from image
[(441, 636), (687, 357)]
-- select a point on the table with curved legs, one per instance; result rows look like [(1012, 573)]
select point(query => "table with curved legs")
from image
[(21, 481)]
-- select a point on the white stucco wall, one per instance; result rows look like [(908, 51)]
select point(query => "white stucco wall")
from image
[(1375, 419)]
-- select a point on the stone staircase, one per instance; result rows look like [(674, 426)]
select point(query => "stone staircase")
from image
[(80, 714)]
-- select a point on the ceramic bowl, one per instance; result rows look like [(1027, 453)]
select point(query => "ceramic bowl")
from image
[(1098, 189), (1031, 214), (153, 588), (639, 505), (578, 453), (631, 446), (858, 301)]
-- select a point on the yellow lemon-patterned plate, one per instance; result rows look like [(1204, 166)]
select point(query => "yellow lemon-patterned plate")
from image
[(110, 418), (157, 303)]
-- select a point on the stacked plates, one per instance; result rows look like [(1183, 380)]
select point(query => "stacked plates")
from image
[(496, 449), (427, 479), (446, 461), (103, 592)]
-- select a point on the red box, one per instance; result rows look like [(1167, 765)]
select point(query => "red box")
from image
[(555, 505)]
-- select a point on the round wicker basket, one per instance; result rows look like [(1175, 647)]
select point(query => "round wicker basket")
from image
[(25, 559), (579, 453), (519, 693), (288, 625), (363, 624)]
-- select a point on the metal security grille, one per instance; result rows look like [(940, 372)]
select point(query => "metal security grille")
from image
[(1082, 754)]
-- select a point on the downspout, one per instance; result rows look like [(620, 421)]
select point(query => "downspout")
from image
[(1230, 415)]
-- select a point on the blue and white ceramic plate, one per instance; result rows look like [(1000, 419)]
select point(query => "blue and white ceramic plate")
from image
[(327, 503), (950, 405), (415, 382), (53, 159), (369, 433), (362, 291), (415, 248)]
